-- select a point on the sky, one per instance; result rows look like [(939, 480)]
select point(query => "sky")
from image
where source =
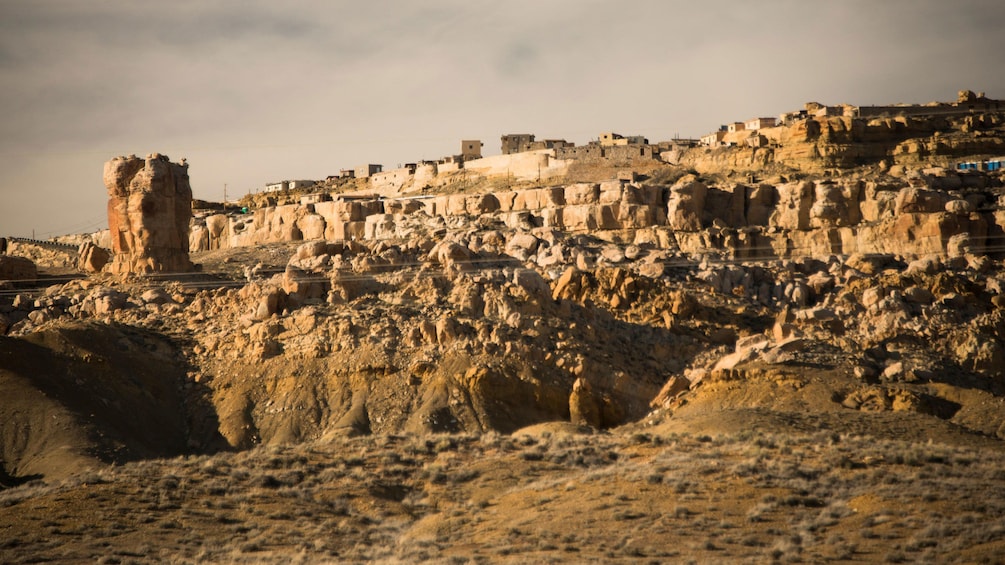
[(255, 91)]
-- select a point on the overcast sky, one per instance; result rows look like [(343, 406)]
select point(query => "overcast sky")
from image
[(253, 91)]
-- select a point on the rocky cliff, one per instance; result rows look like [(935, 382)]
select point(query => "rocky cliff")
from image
[(819, 144), (929, 212)]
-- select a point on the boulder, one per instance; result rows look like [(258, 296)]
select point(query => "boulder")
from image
[(584, 409), (17, 268), (312, 226), (913, 200), (481, 204), (522, 245), (91, 258), (570, 286), (218, 228), (674, 386), (582, 193)]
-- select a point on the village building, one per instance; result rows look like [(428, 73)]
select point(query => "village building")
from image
[(759, 123), (713, 139), (514, 142), (735, 127), (471, 149), (289, 185), (611, 139), (789, 117), (366, 171), (296, 184), (546, 144), (315, 197)]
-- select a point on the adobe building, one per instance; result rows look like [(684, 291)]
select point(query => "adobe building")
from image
[(289, 185), (713, 139), (471, 149), (759, 123), (366, 171), (546, 144), (514, 142), (611, 139)]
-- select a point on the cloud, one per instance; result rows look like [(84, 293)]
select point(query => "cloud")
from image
[(254, 90)]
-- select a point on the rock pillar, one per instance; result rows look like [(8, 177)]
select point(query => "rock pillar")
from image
[(149, 212)]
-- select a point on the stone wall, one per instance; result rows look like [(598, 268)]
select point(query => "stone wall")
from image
[(611, 153), (394, 179), (530, 165)]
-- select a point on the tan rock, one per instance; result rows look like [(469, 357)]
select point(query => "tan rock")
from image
[(686, 206), (795, 200), (522, 245), (569, 286), (91, 258), (760, 204), (918, 200), (312, 226), (14, 268), (149, 212), (481, 204), (582, 193), (584, 409), (674, 386)]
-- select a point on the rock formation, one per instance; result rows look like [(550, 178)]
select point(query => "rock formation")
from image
[(91, 258), (149, 210), (16, 268)]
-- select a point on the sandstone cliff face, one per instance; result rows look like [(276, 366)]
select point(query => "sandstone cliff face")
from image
[(149, 211), (818, 144), (935, 212)]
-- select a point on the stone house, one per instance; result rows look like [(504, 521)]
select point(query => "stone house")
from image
[(713, 139), (546, 144), (514, 142), (471, 149), (611, 139), (365, 171), (295, 184), (759, 123)]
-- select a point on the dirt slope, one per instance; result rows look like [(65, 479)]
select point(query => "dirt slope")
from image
[(89, 394)]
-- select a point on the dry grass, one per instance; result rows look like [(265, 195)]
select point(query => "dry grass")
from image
[(614, 498)]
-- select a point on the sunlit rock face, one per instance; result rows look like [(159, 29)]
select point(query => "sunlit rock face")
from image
[(149, 212)]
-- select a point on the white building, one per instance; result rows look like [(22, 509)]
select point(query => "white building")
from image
[(758, 123)]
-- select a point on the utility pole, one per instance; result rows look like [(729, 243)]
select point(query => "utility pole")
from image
[(224, 197)]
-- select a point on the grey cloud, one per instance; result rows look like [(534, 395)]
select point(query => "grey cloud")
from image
[(311, 85), (517, 60)]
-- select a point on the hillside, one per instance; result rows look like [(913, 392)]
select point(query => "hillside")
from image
[(677, 363)]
